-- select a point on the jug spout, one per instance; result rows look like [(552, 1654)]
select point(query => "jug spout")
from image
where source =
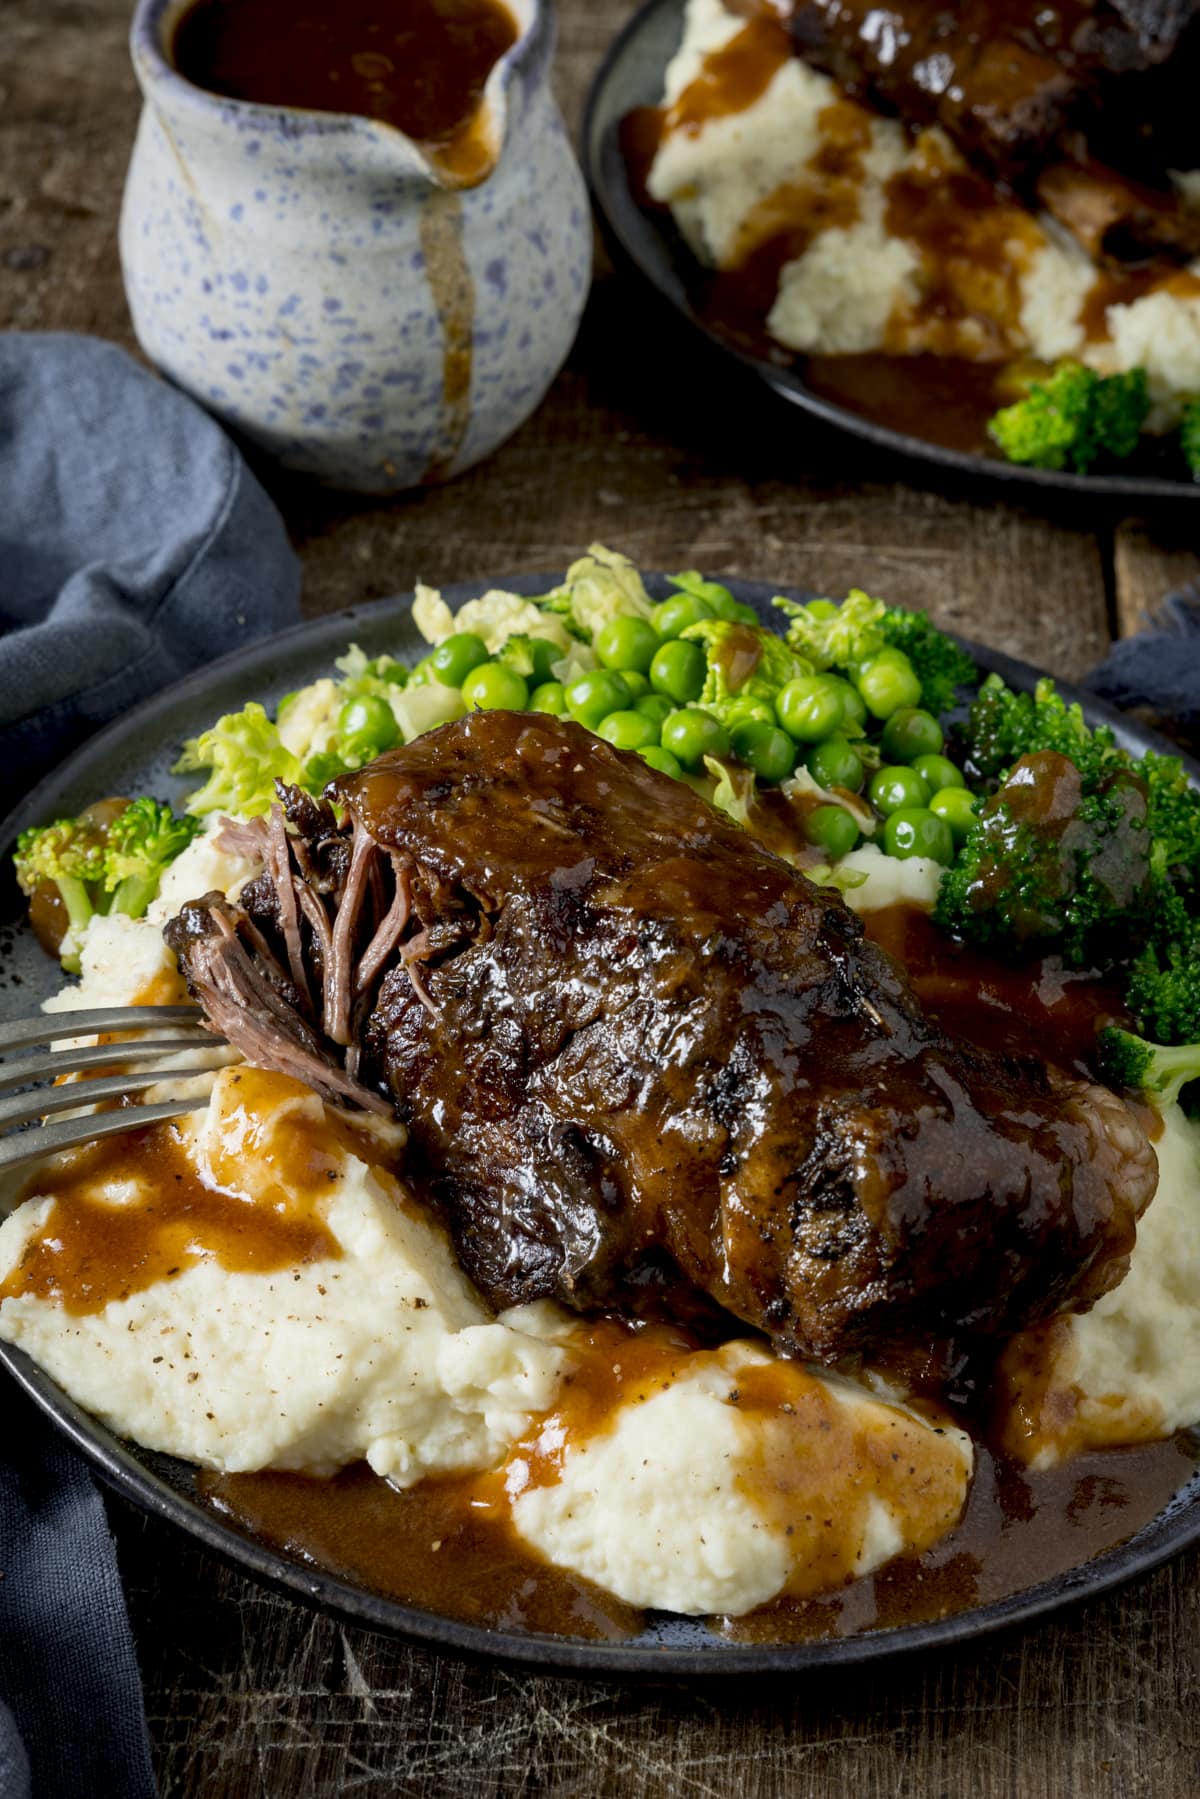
[(308, 95), (375, 308)]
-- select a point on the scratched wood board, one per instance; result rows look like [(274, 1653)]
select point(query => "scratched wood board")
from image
[(675, 459)]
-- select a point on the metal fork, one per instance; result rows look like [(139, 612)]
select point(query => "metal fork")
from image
[(21, 1065)]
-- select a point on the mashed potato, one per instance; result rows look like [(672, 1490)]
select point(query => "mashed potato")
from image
[(1003, 283), (1128, 1370), (869, 881), (735, 1477), (381, 1349)]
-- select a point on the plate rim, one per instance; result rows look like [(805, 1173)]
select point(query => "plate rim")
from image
[(121, 1464), (613, 200)]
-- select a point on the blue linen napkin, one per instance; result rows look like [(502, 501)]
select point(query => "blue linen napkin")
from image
[(1158, 670), (135, 544), (74, 1716)]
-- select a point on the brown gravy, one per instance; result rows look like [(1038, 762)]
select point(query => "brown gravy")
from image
[(90, 1251), (447, 1547), (1020, 1008), (418, 65), (1019, 1528), (444, 1546)]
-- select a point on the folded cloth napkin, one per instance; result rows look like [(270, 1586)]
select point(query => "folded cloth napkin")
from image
[(74, 1722), (135, 544), (1159, 669)]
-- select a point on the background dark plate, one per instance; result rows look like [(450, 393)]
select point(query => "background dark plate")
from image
[(632, 75), (135, 755)]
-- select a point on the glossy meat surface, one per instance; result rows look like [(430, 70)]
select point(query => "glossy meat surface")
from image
[(1076, 101), (615, 1026)]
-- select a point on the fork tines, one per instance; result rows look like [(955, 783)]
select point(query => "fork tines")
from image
[(196, 1051)]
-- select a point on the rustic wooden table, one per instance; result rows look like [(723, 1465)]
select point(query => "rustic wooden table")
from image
[(673, 460)]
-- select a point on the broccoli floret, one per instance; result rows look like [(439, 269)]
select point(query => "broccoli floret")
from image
[(1002, 726), (1074, 418), (1161, 1070), (68, 855), (1043, 429), (142, 841), (1112, 878), (1174, 817), (244, 757), (1189, 437), (942, 667), (97, 866), (738, 686), (1164, 975), (1053, 862)]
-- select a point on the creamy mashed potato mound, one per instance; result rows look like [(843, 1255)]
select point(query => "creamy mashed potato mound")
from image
[(736, 1477), (381, 1350), (1005, 282)]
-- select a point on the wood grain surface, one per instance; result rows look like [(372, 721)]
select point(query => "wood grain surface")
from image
[(651, 447)]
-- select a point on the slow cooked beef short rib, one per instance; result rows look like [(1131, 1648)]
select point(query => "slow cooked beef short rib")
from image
[(615, 1026), (1081, 105)]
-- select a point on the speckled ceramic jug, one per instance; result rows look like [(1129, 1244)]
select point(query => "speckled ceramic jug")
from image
[(317, 283)]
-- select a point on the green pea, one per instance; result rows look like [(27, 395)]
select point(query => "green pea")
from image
[(939, 771), (822, 609), (672, 617), (493, 688), (887, 682), (654, 705), (637, 684), (456, 656), (370, 720), (629, 730), (593, 696), (955, 806), (744, 615), (832, 829), (809, 708), (626, 643), (835, 763), (915, 831), (852, 702), (766, 749), (893, 788), (666, 764), (358, 751), (910, 733), (324, 766), (423, 673), (678, 670), (693, 734), (550, 697), (543, 653)]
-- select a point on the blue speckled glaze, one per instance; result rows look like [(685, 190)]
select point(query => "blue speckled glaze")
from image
[(304, 275)]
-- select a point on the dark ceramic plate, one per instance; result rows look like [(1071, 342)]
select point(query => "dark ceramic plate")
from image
[(632, 75), (135, 755)]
